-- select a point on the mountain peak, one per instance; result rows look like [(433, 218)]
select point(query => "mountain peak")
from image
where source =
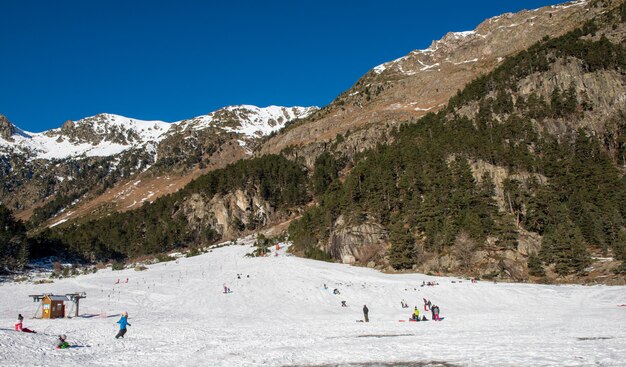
[(248, 120), (7, 129)]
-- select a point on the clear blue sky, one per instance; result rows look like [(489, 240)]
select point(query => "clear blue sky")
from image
[(170, 60)]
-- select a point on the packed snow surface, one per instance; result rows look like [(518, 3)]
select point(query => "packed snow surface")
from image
[(282, 315)]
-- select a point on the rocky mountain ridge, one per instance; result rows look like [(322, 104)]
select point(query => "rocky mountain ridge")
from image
[(94, 154), (424, 80), (109, 134)]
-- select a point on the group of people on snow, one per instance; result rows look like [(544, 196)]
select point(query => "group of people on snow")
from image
[(415, 316), (62, 343), (428, 306)]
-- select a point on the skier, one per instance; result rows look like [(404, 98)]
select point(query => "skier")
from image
[(123, 322), (61, 343), (365, 312), (436, 313)]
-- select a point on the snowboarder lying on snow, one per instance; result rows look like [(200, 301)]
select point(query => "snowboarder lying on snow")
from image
[(61, 343), (123, 323)]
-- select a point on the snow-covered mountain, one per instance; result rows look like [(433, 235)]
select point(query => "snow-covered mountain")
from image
[(108, 134), (95, 153), (96, 136), (250, 121)]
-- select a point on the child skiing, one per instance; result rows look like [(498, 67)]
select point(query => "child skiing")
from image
[(123, 323), (365, 313)]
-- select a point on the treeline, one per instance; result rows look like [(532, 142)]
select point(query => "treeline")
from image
[(162, 225), (16, 247)]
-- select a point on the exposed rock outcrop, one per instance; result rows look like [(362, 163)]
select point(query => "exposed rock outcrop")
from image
[(6, 129)]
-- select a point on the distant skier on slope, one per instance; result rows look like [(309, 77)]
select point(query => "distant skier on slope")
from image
[(365, 313), (123, 321)]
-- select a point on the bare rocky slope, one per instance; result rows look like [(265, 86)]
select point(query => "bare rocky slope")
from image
[(424, 80)]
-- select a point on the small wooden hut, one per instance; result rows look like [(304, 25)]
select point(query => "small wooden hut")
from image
[(52, 307)]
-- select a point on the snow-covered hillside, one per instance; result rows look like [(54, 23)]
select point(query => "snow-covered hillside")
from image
[(109, 134), (282, 315), (251, 121)]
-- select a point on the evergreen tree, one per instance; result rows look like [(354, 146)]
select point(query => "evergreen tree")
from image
[(402, 253), (564, 247), (535, 268)]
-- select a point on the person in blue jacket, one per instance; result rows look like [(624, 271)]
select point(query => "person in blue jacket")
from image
[(123, 323)]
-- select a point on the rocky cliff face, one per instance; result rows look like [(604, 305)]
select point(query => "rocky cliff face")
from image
[(230, 215), (424, 80)]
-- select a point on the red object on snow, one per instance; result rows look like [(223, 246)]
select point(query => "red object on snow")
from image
[(18, 326)]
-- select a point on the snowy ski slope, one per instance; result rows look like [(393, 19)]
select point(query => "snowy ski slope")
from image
[(282, 315)]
